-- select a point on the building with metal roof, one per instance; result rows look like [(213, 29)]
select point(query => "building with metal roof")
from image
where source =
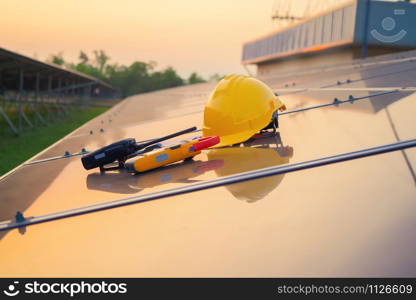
[(27, 82), (359, 28)]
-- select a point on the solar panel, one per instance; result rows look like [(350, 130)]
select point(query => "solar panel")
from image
[(340, 220)]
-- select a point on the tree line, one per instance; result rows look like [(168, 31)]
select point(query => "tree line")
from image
[(138, 77)]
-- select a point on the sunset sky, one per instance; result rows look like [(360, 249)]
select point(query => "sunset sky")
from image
[(190, 35)]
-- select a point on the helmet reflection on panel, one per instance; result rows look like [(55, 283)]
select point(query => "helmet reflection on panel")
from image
[(259, 152)]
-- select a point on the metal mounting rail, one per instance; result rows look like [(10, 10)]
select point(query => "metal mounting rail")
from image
[(292, 91), (82, 152), (351, 65), (66, 155), (336, 102), (383, 74), (21, 221)]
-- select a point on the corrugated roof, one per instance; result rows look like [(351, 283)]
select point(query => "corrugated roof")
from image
[(20, 61)]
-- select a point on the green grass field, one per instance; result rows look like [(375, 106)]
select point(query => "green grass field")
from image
[(16, 149)]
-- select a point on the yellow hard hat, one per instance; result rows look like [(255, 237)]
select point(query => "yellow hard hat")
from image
[(239, 107), (243, 159)]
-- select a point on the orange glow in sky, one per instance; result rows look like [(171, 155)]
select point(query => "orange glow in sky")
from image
[(190, 35)]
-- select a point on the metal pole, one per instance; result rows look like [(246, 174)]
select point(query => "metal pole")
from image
[(37, 85), (58, 96), (14, 129), (47, 103), (62, 95), (22, 96), (36, 105), (19, 108), (208, 184)]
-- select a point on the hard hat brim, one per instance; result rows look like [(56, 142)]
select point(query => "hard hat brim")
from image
[(236, 138)]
